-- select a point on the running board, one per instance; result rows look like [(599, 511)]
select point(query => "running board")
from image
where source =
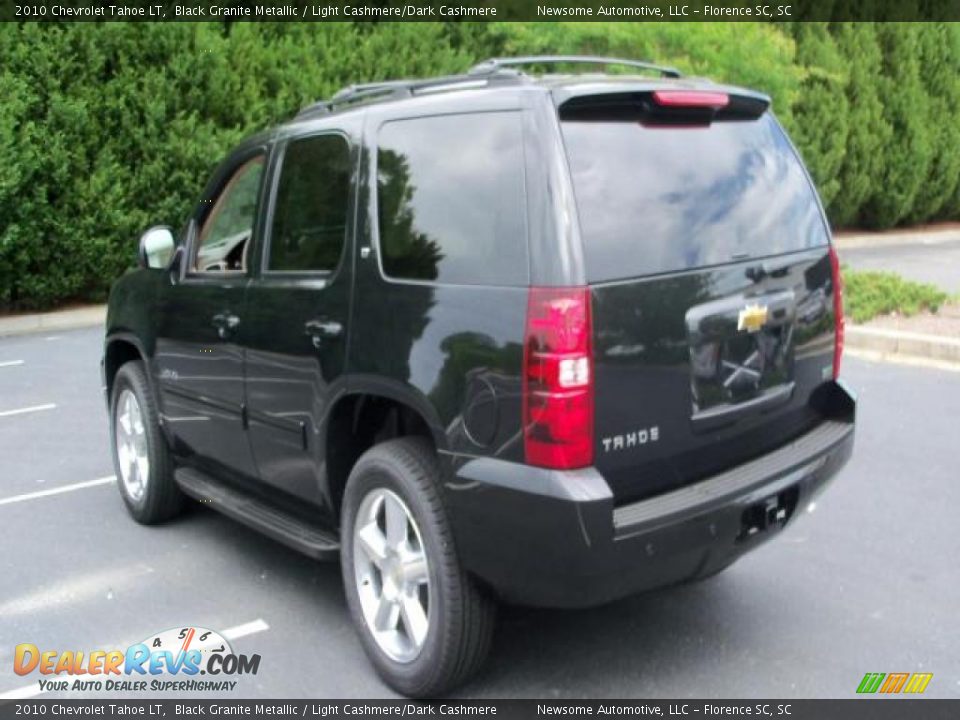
[(249, 510)]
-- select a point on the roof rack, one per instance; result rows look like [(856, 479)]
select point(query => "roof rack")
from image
[(493, 65), (480, 75), (396, 89)]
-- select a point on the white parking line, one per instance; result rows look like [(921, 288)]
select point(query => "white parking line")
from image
[(74, 590), (20, 411), (11, 363), (29, 691), (57, 490), (239, 631)]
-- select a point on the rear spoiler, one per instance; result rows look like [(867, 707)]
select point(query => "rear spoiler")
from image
[(665, 106)]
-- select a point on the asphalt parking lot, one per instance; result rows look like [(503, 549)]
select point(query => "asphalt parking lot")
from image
[(869, 582)]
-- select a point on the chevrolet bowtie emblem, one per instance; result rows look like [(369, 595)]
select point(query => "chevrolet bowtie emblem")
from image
[(752, 318)]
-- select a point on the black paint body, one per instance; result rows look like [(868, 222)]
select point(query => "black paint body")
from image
[(252, 404)]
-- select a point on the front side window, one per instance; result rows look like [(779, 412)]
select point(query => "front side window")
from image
[(451, 203), (225, 233), (310, 216)]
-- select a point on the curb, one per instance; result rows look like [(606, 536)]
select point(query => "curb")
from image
[(84, 317), (905, 345), (887, 239)]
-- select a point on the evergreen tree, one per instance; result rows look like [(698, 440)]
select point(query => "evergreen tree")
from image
[(869, 131), (939, 196), (821, 113), (906, 157)]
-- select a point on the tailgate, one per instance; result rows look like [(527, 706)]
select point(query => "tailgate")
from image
[(707, 256), (685, 387)]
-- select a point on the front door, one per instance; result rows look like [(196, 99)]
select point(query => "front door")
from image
[(296, 312), (199, 358)]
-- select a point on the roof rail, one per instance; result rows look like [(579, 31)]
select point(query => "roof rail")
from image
[(396, 89), (318, 108), (354, 93), (488, 67), (492, 70)]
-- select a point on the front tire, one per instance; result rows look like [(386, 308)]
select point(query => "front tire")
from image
[(141, 458), (424, 623)]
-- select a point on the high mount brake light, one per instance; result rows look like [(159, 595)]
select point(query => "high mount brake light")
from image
[(558, 379), (839, 319), (691, 99)]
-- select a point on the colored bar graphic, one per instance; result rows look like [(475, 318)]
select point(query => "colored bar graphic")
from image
[(871, 682), (918, 682), (894, 683)]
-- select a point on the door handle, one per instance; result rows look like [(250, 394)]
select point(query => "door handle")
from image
[(226, 324), (320, 329)]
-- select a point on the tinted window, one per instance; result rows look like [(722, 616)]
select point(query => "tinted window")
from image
[(661, 199), (225, 233), (310, 215), (451, 199)]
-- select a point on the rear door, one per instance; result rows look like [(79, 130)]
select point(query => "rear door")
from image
[(707, 255), (297, 308)]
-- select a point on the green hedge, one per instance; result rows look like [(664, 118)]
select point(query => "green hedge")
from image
[(106, 129), (869, 133)]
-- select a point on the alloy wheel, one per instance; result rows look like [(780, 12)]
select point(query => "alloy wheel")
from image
[(133, 457), (392, 575)]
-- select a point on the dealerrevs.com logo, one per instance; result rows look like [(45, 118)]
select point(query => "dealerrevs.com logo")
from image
[(173, 660)]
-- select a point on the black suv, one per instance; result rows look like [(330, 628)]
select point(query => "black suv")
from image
[(545, 339)]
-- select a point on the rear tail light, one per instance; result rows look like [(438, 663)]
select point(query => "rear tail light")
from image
[(691, 99), (839, 319), (558, 379)]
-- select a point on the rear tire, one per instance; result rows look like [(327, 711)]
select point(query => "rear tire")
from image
[(141, 458), (387, 573)]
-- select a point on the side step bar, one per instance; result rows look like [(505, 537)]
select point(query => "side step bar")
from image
[(280, 526)]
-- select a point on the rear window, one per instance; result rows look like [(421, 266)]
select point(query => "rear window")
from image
[(664, 199), (451, 201)]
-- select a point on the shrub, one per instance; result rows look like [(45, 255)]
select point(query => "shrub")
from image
[(106, 129), (940, 63), (905, 161), (868, 294), (821, 112), (869, 131)]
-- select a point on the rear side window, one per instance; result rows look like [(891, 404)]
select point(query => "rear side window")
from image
[(662, 199), (451, 203), (310, 217)]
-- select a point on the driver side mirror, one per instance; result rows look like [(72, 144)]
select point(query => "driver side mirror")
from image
[(156, 248)]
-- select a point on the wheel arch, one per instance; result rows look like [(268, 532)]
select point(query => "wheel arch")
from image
[(119, 349), (369, 413)]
